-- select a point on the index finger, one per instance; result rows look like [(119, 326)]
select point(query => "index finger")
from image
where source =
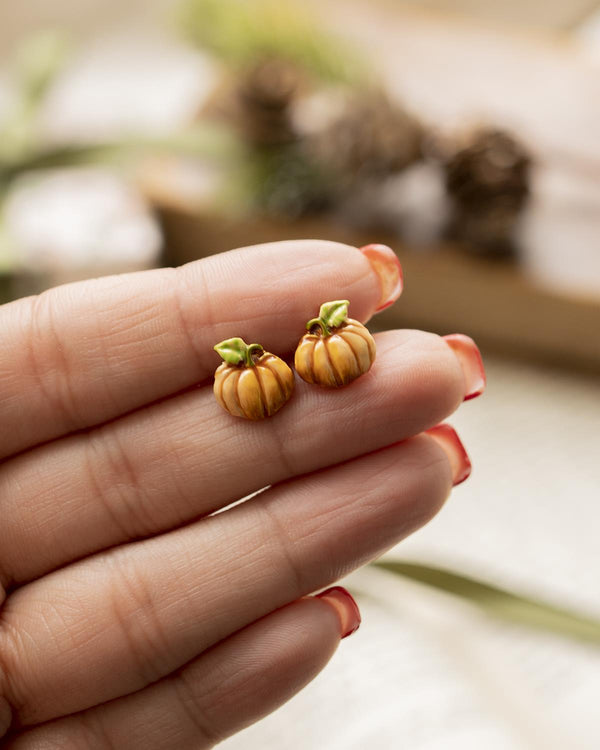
[(85, 353)]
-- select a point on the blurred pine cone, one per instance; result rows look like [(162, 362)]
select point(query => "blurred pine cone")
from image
[(257, 102), (264, 96), (371, 138), (487, 180)]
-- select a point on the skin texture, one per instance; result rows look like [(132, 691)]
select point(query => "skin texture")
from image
[(130, 616)]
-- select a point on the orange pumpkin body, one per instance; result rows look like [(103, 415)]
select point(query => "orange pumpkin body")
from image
[(337, 359), (254, 392)]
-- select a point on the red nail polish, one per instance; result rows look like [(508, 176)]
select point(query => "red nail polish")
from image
[(386, 265), (471, 363), (460, 462), (345, 607)]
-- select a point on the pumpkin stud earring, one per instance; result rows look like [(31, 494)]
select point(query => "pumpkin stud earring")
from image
[(251, 382), (336, 350)]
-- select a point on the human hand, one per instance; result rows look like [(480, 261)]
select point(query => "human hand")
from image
[(131, 617)]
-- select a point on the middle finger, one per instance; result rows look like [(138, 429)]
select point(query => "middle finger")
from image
[(160, 467)]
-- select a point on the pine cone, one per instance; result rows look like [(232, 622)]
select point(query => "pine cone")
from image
[(264, 95), (488, 183), (491, 164), (257, 102), (370, 139)]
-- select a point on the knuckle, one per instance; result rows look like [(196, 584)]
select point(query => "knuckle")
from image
[(49, 360), (134, 609), (195, 706), (92, 733), (125, 481), (280, 447), (182, 292), (279, 548), (113, 478)]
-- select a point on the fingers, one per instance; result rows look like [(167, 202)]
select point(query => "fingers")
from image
[(172, 462), (85, 353), (242, 679), (136, 613)]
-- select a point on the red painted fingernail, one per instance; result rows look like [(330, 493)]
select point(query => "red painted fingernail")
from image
[(346, 609), (386, 265), (471, 363), (460, 462)]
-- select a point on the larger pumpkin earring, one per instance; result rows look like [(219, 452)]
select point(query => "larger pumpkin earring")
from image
[(251, 382), (336, 350)]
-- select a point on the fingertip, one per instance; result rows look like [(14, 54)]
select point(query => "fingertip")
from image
[(345, 608), (385, 264), (469, 358), (460, 463)]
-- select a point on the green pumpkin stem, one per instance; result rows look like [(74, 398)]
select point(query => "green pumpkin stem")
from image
[(318, 322), (236, 351), (250, 351), (331, 315)]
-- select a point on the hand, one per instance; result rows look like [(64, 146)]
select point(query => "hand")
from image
[(133, 618)]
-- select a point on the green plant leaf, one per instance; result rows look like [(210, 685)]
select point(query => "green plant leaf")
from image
[(498, 602), (38, 61), (216, 145), (242, 31), (333, 314), (7, 252), (233, 350)]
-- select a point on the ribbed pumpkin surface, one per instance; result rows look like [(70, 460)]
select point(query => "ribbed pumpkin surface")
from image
[(254, 392), (337, 359)]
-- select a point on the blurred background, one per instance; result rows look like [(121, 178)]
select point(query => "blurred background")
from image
[(465, 134)]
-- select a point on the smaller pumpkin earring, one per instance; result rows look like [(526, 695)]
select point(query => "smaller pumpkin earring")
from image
[(251, 382), (336, 350)]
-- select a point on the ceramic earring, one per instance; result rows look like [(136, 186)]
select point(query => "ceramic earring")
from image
[(336, 350), (251, 382)]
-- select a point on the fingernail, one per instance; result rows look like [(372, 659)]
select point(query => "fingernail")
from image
[(386, 265), (460, 462), (346, 609), (471, 363)]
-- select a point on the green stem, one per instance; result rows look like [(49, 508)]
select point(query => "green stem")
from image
[(249, 352), (318, 321)]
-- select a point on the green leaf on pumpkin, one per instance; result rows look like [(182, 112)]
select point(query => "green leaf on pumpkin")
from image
[(233, 350), (333, 314)]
